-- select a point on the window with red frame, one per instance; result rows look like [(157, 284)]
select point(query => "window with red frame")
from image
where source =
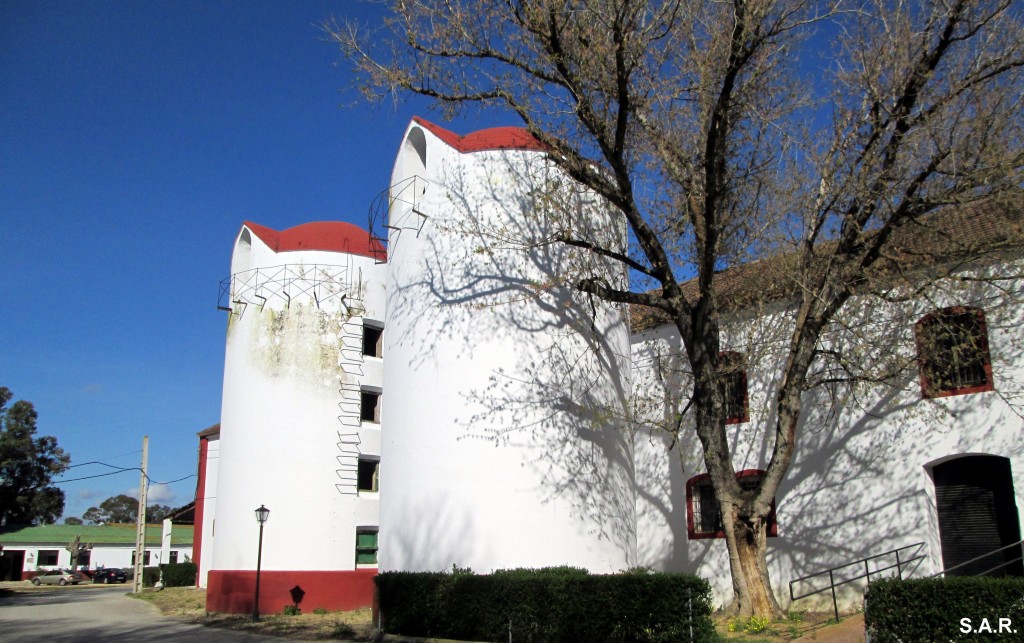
[(952, 352), (703, 516), (733, 379)]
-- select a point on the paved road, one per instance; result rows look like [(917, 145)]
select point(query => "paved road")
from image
[(97, 613)]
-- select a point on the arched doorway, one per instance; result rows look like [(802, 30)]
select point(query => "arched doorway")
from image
[(977, 514)]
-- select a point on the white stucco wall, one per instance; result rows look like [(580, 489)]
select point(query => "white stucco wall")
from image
[(501, 443), (860, 483), (290, 370), (208, 528)]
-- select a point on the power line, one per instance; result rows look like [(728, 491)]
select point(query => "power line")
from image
[(98, 475), (103, 464), (119, 470), (191, 475)]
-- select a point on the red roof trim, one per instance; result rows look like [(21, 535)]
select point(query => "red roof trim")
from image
[(495, 138), (332, 236)]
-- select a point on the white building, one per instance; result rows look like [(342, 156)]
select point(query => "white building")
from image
[(495, 436), (27, 551), (300, 421), (466, 329), (930, 462)]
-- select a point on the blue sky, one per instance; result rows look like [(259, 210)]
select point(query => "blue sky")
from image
[(135, 138)]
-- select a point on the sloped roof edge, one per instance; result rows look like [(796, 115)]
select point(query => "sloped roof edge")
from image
[(990, 224), (494, 138), (331, 236)]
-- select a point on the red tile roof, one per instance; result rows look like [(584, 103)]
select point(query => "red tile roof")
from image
[(495, 138), (332, 236), (967, 232)]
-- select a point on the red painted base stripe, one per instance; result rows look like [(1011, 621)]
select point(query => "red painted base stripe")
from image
[(233, 591)]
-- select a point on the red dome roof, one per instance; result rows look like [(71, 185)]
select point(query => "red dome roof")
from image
[(495, 138), (332, 236)]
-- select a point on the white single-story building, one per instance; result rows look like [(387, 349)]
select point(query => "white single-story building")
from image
[(30, 550)]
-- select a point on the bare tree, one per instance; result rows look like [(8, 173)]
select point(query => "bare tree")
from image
[(76, 548), (728, 132)]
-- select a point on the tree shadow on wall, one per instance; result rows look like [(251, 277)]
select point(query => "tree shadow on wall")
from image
[(495, 286), (541, 370), (861, 471), (428, 546), (857, 485)]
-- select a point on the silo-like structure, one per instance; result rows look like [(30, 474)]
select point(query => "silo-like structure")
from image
[(300, 422), (502, 442)]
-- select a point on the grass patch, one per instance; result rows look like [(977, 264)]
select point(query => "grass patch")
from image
[(176, 601), (795, 625), (189, 604)]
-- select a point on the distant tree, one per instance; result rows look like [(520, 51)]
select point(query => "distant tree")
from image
[(27, 467), (157, 513), (73, 520), (116, 509), (93, 516), (124, 509)]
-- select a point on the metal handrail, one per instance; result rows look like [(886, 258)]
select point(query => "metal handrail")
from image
[(868, 572), (976, 559)]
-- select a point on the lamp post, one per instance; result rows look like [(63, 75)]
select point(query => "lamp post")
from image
[(261, 517)]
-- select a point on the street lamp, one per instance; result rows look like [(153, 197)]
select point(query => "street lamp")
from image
[(261, 517)]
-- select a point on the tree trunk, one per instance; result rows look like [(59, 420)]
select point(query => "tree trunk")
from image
[(746, 538)]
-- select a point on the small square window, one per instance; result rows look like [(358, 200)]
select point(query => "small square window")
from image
[(373, 341), (145, 558), (368, 474), (366, 547), (703, 515), (952, 352), (173, 558), (48, 557), (369, 406)]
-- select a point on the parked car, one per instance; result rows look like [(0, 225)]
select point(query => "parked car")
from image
[(111, 575), (58, 577)]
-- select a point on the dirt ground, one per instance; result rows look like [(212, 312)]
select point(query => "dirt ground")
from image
[(800, 627), (189, 604)]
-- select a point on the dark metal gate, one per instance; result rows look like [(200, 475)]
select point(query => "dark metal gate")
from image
[(977, 514)]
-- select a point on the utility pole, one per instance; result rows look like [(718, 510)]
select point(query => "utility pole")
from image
[(140, 524)]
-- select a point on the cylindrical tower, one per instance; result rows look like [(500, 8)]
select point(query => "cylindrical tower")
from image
[(502, 444), (300, 422)]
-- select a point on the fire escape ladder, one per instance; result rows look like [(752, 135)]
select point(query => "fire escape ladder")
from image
[(348, 439), (348, 463)]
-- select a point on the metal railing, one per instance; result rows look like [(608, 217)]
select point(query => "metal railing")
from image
[(320, 283), (982, 557), (915, 554), (407, 193)]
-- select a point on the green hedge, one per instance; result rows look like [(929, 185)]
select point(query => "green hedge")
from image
[(179, 574), (553, 604), (933, 609), (150, 575)]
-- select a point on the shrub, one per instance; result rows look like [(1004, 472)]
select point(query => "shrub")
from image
[(179, 574), (933, 609), (320, 611), (150, 575), (291, 610), (552, 604)]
